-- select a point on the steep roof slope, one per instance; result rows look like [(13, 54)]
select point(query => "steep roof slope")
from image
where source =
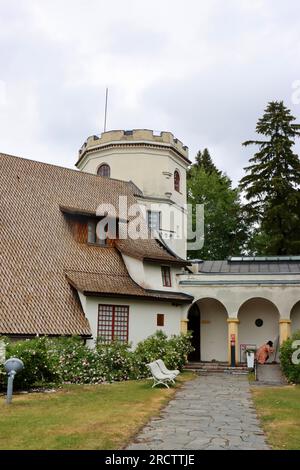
[(37, 246)]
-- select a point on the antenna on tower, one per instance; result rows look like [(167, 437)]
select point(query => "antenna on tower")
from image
[(105, 112)]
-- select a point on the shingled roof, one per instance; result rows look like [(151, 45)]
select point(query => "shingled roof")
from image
[(38, 252)]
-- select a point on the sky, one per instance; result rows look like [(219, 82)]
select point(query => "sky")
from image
[(202, 69)]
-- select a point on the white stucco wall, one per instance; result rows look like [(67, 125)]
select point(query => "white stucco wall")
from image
[(295, 318), (249, 333), (232, 296), (213, 329), (142, 316), (151, 170), (148, 275)]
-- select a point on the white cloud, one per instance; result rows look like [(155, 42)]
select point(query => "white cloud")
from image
[(202, 69)]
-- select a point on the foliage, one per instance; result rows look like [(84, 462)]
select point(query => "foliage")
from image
[(172, 351), (272, 184), (224, 229), (40, 366), (69, 360), (291, 371), (205, 162)]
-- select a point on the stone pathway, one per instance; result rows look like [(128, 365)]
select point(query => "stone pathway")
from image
[(210, 412)]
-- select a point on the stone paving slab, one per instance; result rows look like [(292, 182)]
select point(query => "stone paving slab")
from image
[(270, 374), (211, 412)]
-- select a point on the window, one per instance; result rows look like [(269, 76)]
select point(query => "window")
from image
[(166, 276), (153, 220), (176, 181), (104, 170), (92, 233), (160, 319), (113, 323)]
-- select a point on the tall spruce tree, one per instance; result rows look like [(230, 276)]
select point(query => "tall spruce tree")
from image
[(224, 229), (272, 185), (204, 161)]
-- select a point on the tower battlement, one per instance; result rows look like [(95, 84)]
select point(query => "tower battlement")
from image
[(135, 136)]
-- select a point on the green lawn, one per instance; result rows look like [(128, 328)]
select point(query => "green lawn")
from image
[(82, 417), (279, 412)]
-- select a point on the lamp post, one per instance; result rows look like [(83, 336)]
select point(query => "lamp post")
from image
[(12, 366)]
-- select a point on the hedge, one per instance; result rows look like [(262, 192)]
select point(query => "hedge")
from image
[(287, 352), (51, 362)]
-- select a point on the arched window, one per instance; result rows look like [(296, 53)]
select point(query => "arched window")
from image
[(104, 170), (176, 181)]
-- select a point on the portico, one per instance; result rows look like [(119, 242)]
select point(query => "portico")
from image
[(244, 302)]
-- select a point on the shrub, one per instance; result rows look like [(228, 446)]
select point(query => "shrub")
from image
[(69, 360), (172, 351), (291, 371), (39, 367), (118, 361)]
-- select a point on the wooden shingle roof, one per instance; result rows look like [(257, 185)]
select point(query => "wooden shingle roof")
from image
[(37, 247)]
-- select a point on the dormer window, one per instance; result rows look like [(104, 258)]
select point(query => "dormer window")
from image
[(104, 170), (176, 181), (92, 233)]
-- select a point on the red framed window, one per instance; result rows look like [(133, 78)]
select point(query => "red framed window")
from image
[(160, 319), (176, 181), (113, 323), (166, 276), (104, 170)]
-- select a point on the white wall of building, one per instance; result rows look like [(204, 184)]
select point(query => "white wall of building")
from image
[(232, 296), (249, 333), (148, 275), (295, 318), (213, 329), (142, 316)]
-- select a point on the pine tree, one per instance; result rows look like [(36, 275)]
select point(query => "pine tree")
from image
[(224, 229), (204, 161), (272, 184)]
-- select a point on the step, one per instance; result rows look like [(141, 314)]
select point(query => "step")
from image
[(216, 367)]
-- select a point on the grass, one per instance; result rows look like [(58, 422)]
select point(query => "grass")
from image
[(279, 412), (82, 417)]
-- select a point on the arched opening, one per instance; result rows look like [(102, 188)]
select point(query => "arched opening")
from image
[(208, 320), (194, 327), (259, 323), (176, 181), (295, 318), (104, 170)]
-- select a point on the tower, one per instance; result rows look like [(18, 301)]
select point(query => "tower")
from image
[(156, 163)]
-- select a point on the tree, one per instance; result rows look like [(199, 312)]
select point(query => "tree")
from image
[(224, 230), (272, 184), (204, 161)]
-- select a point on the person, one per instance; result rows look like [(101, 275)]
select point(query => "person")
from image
[(263, 353)]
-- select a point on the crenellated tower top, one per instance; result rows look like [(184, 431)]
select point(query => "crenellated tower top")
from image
[(136, 137)]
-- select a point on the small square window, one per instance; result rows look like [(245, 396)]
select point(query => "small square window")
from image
[(153, 220), (166, 276), (160, 319)]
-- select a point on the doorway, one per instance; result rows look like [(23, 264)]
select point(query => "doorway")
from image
[(194, 327)]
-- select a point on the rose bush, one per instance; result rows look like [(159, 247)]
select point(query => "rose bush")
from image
[(54, 361)]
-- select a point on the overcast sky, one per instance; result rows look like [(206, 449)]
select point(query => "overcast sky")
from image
[(202, 69)]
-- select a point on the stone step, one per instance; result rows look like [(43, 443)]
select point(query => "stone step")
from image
[(207, 367)]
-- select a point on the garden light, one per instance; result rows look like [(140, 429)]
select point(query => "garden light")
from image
[(12, 366)]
